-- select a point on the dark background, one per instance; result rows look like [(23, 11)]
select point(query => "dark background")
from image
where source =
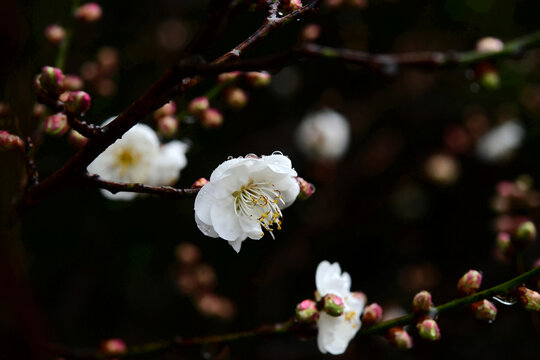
[(97, 269)]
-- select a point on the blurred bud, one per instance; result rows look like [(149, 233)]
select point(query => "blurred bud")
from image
[(333, 305), (106, 87), (526, 232), (487, 75), (188, 253), (5, 109), (113, 347), (311, 32), (39, 110), (503, 243), (89, 12), (55, 34), (428, 329), (360, 4), (360, 296), (10, 142), (206, 276), (198, 105), (372, 314), (529, 298), (469, 283), (55, 125), (258, 78), (400, 338), (228, 76), (291, 5), (334, 3), (306, 312), (78, 102), (215, 305), (489, 44), (166, 110), (72, 83), (484, 310), (236, 97), (167, 126), (76, 139), (442, 169), (211, 118), (199, 183), (51, 79), (422, 302), (306, 189), (107, 58), (89, 71)]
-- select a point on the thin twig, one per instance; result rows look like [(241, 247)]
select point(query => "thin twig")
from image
[(114, 187)]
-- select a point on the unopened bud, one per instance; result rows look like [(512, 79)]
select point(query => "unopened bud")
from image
[(211, 118), (167, 126), (89, 12), (55, 34), (489, 44), (372, 314), (258, 79), (228, 76), (529, 298), (72, 83), (526, 232), (422, 302), (113, 347), (198, 105), (484, 310), (78, 102), (503, 242), (39, 110), (199, 183), (333, 305), (55, 125), (487, 75), (360, 296), (76, 140), (10, 142), (291, 5), (306, 189), (311, 32), (306, 312), (470, 282), (236, 97), (428, 329), (166, 110), (400, 338), (51, 79)]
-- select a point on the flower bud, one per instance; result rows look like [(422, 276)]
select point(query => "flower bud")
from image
[(333, 305), (428, 329), (372, 314), (306, 189), (72, 83), (487, 75), (113, 347), (422, 302), (469, 283), (400, 338), (89, 12), (228, 76), (311, 32), (39, 110), (198, 105), (199, 183), (489, 44), (10, 142), (306, 312), (166, 110), (51, 79), (526, 232), (76, 139), (503, 242), (167, 126), (55, 125), (360, 296), (484, 310), (236, 97), (55, 34), (78, 102), (291, 5), (529, 298), (258, 78), (188, 254), (211, 118)]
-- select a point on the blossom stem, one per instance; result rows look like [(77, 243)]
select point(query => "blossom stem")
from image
[(64, 46)]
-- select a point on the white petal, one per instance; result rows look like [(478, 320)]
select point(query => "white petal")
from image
[(236, 245), (121, 196), (225, 167), (205, 228), (203, 203), (225, 221), (251, 227), (329, 280), (335, 333), (167, 165)]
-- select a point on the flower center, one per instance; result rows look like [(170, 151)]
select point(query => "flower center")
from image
[(260, 201), (126, 159)]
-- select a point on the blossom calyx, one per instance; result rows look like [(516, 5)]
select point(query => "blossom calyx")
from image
[(78, 102), (55, 125), (484, 310), (307, 312), (10, 142), (400, 338), (530, 299), (428, 329), (89, 12), (422, 302), (51, 79), (306, 189), (333, 305), (469, 283), (372, 314), (526, 232)]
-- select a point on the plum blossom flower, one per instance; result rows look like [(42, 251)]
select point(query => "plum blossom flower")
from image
[(244, 196), (336, 332), (138, 157)]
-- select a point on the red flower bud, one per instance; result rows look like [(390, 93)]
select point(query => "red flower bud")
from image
[(372, 314), (422, 302), (55, 125), (78, 102), (469, 283), (306, 312), (428, 329), (400, 338), (484, 310)]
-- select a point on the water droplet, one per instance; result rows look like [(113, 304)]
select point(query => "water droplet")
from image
[(230, 157), (251, 156), (277, 153), (505, 300), (280, 13)]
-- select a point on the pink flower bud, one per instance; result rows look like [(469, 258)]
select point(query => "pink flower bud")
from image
[(199, 183), (526, 232), (228, 76), (333, 305), (72, 83), (428, 329), (372, 314), (113, 346), (198, 105), (258, 79), (530, 299), (236, 97), (10, 142), (39, 110), (76, 140), (484, 310), (311, 32), (89, 12), (487, 75), (291, 5), (166, 110), (211, 118), (306, 312), (306, 189), (400, 338), (188, 254), (51, 79), (55, 125), (78, 102), (167, 126), (469, 283), (422, 302), (55, 34)]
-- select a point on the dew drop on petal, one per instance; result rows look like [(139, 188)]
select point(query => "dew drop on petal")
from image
[(277, 153), (230, 157)]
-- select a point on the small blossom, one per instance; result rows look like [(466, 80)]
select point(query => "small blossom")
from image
[(113, 347), (258, 78), (236, 97), (78, 102), (306, 189), (428, 329), (72, 83), (336, 332), (10, 142), (55, 125), (198, 105), (245, 196), (51, 79), (306, 312), (166, 110), (228, 76), (167, 126), (211, 118), (400, 338), (484, 310), (530, 299), (489, 44), (311, 32), (89, 12), (470, 282), (372, 314), (55, 34), (422, 302), (291, 5)]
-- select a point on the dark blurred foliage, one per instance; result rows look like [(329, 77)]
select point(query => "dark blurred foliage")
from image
[(97, 269)]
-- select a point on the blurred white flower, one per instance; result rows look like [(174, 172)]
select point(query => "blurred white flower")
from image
[(499, 142), (138, 157), (323, 135), (244, 194), (336, 332)]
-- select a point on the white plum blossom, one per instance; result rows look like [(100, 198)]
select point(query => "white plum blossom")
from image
[(244, 196), (336, 332), (138, 157), (323, 135)]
